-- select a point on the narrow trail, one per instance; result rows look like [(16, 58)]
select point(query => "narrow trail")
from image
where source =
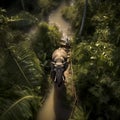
[(56, 105), (55, 18), (47, 110), (53, 108)]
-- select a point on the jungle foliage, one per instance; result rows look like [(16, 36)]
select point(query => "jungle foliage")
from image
[(25, 42), (96, 60), (23, 59)]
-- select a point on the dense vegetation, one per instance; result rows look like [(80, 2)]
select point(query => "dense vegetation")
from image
[(96, 60), (25, 42), (24, 62)]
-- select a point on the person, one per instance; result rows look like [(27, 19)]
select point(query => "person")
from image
[(65, 42)]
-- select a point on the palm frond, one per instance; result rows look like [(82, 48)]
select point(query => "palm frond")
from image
[(23, 108), (28, 64), (22, 20)]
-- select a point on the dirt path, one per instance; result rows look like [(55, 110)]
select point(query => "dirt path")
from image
[(55, 18), (58, 104), (47, 111), (54, 108)]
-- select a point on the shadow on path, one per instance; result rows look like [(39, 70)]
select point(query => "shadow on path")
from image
[(61, 108), (54, 107)]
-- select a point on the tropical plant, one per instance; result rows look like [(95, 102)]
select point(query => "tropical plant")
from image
[(18, 103), (96, 62), (94, 69), (21, 75), (46, 41)]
